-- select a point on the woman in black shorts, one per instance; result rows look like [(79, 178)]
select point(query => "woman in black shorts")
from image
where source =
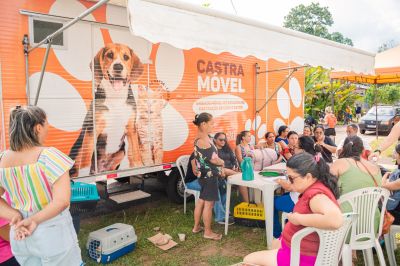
[(209, 165)]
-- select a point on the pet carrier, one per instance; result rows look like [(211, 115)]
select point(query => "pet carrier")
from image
[(109, 243)]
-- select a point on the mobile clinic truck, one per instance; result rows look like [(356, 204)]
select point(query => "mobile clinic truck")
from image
[(122, 83)]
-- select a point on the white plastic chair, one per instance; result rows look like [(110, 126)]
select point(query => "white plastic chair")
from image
[(331, 242), (182, 163), (390, 244), (365, 202)]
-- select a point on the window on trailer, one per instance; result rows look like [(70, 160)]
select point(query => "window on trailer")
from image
[(42, 29)]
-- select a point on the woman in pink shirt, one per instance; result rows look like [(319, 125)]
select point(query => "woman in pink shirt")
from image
[(316, 207), (6, 256)]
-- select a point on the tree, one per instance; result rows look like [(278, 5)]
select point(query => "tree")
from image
[(319, 90), (312, 19), (315, 20), (386, 94), (387, 45), (338, 37)]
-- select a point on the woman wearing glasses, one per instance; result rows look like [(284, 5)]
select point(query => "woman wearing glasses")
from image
[(317, 207), (327, 144), (231, 165)]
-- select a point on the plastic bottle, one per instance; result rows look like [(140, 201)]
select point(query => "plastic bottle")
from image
[(247, 169)]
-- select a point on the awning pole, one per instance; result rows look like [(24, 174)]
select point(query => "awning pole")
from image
[(256, 68), (280, 85), (25, 43), (42, 72), (69, 24), (376, 111)]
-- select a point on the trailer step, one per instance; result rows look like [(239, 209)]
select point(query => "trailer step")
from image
[(130, 196)]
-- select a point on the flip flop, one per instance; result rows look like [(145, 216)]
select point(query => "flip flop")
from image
[(216, 237), (198, 231)]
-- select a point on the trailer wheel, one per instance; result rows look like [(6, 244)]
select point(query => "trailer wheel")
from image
[(175, 187)]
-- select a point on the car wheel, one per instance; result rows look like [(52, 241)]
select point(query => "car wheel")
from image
[(362, 131)]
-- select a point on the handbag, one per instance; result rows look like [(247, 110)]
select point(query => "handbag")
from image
[(388, 218)]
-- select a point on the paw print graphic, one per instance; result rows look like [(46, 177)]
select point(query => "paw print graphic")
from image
[(289, 101), (256, 126)]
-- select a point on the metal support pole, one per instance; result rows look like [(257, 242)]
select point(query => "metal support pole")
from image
[(69, 24), (256, 68), (280, 85), (25, 43), (42, 72), (376, 112)]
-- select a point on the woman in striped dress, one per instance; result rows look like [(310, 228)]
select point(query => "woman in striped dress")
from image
[(37, 180)]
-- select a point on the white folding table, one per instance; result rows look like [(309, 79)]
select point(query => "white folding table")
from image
[(267, 187)]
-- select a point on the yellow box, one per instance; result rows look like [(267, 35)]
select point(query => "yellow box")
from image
[(252, 211)]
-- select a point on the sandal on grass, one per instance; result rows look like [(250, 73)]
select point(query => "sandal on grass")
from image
[(198, 230), (216, 237)]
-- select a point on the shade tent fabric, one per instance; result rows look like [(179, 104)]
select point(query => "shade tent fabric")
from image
[(393, 77), (387, 70), (188, 26)]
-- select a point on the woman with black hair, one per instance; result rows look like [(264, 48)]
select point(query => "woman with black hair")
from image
[(307, 144), (286, 201), (317, 207), (209, 166), (269, 143), (354, 172), (292, 146), (327, 144), (243, 146), (231, 164), (282, 139), (307, 131)]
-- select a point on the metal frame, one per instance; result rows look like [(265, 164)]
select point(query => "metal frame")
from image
[(257, 72), (49, 39)]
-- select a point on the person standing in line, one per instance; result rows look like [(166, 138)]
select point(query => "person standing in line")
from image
[(358, 112), (37, 180), (330, 122), (210, 167)]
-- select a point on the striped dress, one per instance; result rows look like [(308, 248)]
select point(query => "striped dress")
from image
[(30, 186)]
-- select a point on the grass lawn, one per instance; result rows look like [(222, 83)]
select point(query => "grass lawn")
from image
[(194, 251)]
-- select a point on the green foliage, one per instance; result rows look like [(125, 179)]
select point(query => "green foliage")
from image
[(319, 91), (312, 19), (386, 94), (315, 20), (387, 45), (338, 37)]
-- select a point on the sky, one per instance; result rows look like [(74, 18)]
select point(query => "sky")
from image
[(369, 23)]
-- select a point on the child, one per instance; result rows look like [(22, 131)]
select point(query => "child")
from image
[(6, 256)]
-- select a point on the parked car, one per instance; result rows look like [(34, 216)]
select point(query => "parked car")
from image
[(385, 119)]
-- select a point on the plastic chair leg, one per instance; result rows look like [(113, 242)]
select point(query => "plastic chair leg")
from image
[(346, 256), (389, 249), (368, 257), (379, 253)]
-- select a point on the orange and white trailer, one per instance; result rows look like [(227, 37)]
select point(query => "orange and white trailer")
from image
[(122, 83)]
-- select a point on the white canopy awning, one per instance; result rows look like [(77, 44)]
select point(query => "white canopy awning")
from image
[(187, 26)]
